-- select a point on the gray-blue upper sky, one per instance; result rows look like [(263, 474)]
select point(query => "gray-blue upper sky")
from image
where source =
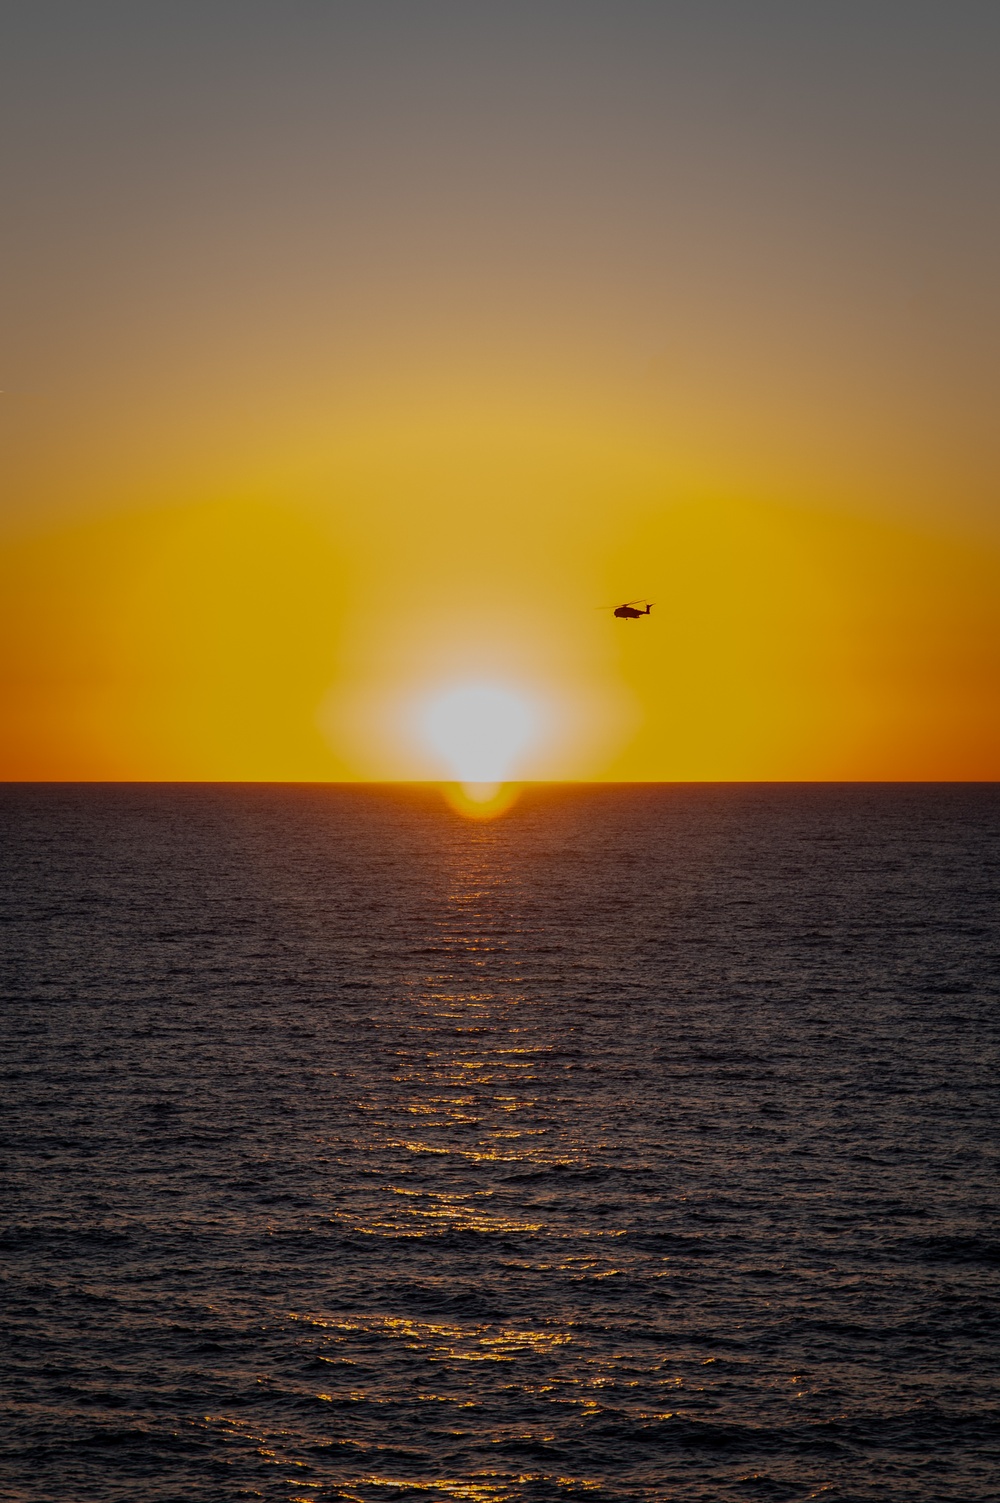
[(777, 217)]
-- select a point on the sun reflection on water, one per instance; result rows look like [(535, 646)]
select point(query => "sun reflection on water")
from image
[(470, 1051), (481, 800)]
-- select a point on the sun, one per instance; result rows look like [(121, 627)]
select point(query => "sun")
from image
[(479, 733)]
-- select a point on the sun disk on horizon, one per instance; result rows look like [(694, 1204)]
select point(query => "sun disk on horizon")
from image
[(479, 731)]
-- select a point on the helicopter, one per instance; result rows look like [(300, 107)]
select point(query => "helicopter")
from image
[(628, 612)]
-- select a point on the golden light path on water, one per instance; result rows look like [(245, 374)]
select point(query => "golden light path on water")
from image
[(467, 1109)]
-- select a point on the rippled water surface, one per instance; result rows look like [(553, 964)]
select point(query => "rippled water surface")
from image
[(637, 1145)]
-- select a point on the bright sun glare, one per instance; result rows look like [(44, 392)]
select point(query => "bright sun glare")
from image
[(479, 731)]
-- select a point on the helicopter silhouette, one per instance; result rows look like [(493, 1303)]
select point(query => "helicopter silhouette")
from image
[(628, 612)]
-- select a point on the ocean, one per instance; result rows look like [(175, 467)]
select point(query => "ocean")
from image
[(640, 1144)]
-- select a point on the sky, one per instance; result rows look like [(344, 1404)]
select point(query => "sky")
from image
[(355, 354)]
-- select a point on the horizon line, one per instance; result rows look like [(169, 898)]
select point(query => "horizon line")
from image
[(525, 783)]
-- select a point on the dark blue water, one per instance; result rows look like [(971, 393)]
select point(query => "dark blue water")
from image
[(638, 1145)]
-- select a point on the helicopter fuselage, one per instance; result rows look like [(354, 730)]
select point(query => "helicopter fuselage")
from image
[(629, 612)]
